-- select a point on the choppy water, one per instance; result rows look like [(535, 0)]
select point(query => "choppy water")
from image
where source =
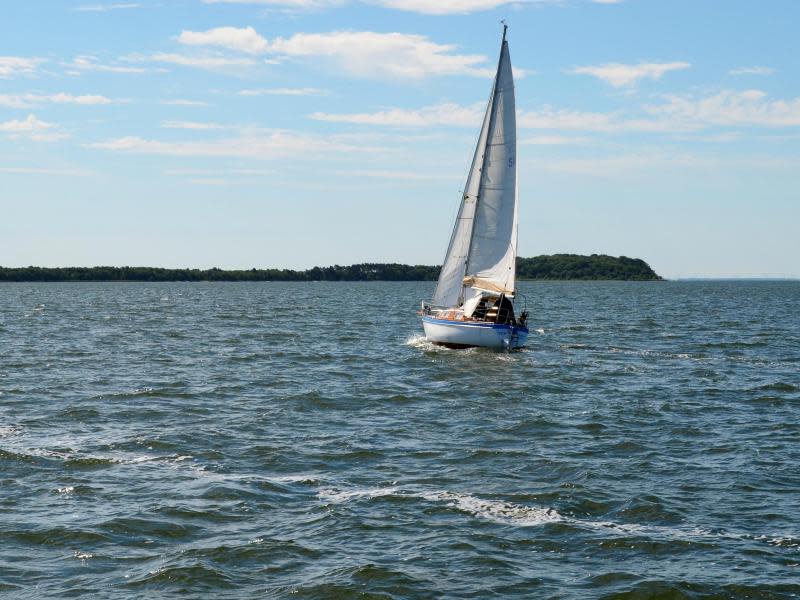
[(272, 440)]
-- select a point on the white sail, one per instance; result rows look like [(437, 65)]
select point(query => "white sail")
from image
[(450, 286), (482, 251)]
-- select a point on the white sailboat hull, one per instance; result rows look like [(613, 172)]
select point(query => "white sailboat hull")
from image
[(466, 334)]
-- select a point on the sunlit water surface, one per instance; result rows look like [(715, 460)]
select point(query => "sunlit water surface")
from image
[(303, 440)]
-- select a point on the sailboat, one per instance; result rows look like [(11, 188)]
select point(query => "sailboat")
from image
[(473, 303)]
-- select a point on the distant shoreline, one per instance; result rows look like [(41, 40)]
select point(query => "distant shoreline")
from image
[(555, 267)]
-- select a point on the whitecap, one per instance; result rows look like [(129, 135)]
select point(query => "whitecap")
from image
[(784, 542), (497, 511), (298, 478), (421, 342), (8, 430), (493, 510), (335, 496), (521, 515)]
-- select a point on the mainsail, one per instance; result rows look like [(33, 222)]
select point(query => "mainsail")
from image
[(483, 246)]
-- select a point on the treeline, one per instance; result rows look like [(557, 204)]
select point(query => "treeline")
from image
[(557, 266), (362, 272), (576, 266)]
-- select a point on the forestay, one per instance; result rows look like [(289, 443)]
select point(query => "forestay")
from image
[(482, 250)]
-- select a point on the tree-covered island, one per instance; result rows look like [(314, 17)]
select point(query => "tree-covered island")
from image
[(548, 267)]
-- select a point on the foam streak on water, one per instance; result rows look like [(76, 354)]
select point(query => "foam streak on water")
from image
[(254, 440)]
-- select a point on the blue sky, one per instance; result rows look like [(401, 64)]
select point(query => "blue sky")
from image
[(294, 133)]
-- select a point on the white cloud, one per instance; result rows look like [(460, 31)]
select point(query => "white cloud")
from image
[(12, 66), (190, 125), (607, 1), (752, 71), (383, 55), (611, 123), (307, 91), (201, 62), (232, 38), (675, 114), (729, 108), (106, 7), (299, 4), (440, 114), (621, 75), (430, 7), (91, 63), (445, 7), (13, 101), (451, 114), (260, 146), (656, 162), (359, 53), (31, 127), (29, 100), (30, 124)]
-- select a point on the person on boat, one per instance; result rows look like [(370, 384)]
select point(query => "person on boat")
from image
[(479, 314), (505, 310)]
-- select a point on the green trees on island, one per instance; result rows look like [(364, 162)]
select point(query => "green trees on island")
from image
[(362, 272), (576, 266), (556, 266)]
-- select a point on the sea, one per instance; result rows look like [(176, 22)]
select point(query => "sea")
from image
[(304, 440)]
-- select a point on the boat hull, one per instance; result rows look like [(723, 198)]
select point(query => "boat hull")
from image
[(470, 334)]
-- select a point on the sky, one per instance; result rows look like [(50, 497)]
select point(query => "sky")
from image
[(294, 133)]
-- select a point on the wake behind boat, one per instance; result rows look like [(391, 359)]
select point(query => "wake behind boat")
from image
[(473, 303)]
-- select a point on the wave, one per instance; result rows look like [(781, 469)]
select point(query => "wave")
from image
[(9, 430), (333, 496), (495, 510), (197, 576), (735, 345), (422, 343), (524, 515), (778, 386), (166, 391)]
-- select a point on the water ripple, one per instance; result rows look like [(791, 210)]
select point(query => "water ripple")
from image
[(254, 440)]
